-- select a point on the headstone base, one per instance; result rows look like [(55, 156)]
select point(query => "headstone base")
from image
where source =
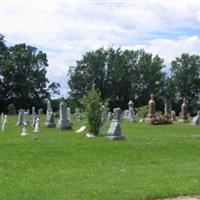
[(64, 126), (149, 119), (183, 120), (115, 137), (50, 125)]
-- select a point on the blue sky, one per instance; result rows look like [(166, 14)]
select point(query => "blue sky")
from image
[(66, 29)]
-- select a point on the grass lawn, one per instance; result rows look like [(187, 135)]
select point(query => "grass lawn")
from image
[(153, 162)]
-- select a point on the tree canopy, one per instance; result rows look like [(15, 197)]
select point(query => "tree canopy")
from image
[(118, 75), (24, 81)]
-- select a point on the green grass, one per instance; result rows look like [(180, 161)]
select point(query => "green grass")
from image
[(153, 162)]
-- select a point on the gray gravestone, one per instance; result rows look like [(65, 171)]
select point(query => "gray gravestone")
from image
[(109, 116), (63, 122), (114, 131), (20, 118), (184, 114), (69, 114), (50, 121), (77, 113), (196, 119), (33, 110)]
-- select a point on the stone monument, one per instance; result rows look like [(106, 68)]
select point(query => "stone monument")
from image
[(196, 119), (114, 131), (183, 114), (63, 122), (167, 108), (33, 110), (24, 130), (4, 123), (50, 121), (173, 115), (151, 113), (77, 113), (131, 113), (20, 118)]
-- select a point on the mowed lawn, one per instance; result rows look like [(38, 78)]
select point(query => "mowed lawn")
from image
[(153, 162)]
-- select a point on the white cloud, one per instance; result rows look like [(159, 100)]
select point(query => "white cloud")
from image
[(66, 29)]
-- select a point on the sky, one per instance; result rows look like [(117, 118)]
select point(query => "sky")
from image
[(66, 29)]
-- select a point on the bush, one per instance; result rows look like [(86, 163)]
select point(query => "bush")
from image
[(161, 119), (92, 105), (143, 111), (11, 109)]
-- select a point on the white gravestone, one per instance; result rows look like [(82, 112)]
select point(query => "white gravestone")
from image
[(196, 119), (4, 123), (131, 113), (24, 131), (36, 128)]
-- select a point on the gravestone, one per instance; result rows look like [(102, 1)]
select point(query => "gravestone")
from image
[(173, 115), (114, 131), (50, 121), (4, 123), (63, 122), (33, 110), (26, 117), (36, 128), (131, 113), (196, 119), (69, 114), (24, 130), (184, 114), (167, 108), (109, 116), (125, 114), (77, 113), (20, 117), (34, 120), (151, 113), (40, 111), (2, 117)]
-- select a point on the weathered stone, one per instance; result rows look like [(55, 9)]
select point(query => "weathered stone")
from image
[(151, 113), (196, 119), (114, 131), (77, 113), (20, 118), (167, 108), (173, 115), (183, 114), (63, 122), (50, 121)]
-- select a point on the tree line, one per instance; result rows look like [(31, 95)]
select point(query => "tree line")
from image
[(23, 80), (121, 75)]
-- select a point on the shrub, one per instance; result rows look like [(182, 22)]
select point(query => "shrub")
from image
[(11, 109), (92, 105), (161, 119), (143, 111)]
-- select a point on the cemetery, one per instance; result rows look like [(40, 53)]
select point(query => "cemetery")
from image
[(60, 162), (99, 100)]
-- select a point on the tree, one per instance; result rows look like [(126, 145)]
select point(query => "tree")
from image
[(25, 81), (92, 105), (119, 76), (147, 77), (186, 78)]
